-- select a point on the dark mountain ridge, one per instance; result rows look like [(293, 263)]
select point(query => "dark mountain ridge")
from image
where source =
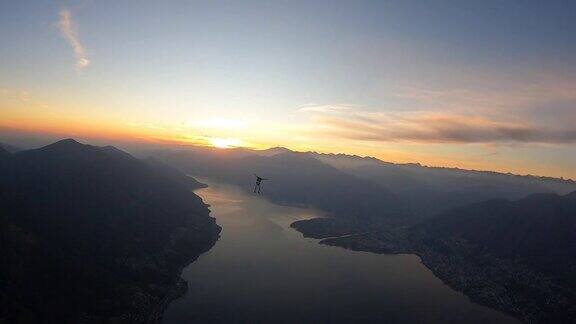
[(356, 160), (92, 234)]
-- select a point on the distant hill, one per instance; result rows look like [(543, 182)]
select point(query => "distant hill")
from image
[(9, 148), (272, 151), (431, 190), (91, 234)]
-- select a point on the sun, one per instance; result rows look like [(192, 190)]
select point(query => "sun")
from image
[(225, 143)]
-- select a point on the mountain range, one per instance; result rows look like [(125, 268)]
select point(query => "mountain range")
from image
[(361, 190)]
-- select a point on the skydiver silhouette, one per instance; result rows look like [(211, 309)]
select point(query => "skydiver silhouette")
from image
[(258, 185)]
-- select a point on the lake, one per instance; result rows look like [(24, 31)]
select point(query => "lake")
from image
[(261, 270)]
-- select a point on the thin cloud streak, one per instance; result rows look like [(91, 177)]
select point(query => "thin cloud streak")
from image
[(68, 30), (437, 127), (324, 108)]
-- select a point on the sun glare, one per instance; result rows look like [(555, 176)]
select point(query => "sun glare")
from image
[(225, 142)]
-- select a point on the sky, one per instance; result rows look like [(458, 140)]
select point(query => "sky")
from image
[(487, 85)]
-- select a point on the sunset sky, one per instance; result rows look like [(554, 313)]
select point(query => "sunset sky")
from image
[(473, 84)]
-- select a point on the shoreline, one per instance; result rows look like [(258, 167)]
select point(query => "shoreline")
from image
[(456, 270)]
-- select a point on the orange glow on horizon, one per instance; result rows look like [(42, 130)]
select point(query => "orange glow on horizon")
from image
[(113, 130), (225, 143)]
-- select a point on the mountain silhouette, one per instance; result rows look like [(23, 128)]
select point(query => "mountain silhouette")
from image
[(95, 234)]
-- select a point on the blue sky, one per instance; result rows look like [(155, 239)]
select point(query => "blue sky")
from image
[(477, 84)]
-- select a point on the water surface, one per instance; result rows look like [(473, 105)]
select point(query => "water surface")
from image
[(261, 270)]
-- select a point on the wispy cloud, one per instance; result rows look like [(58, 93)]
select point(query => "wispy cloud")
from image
[(68, 30), (21, 98), (324, 108), (438, 127), (541, 109)]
